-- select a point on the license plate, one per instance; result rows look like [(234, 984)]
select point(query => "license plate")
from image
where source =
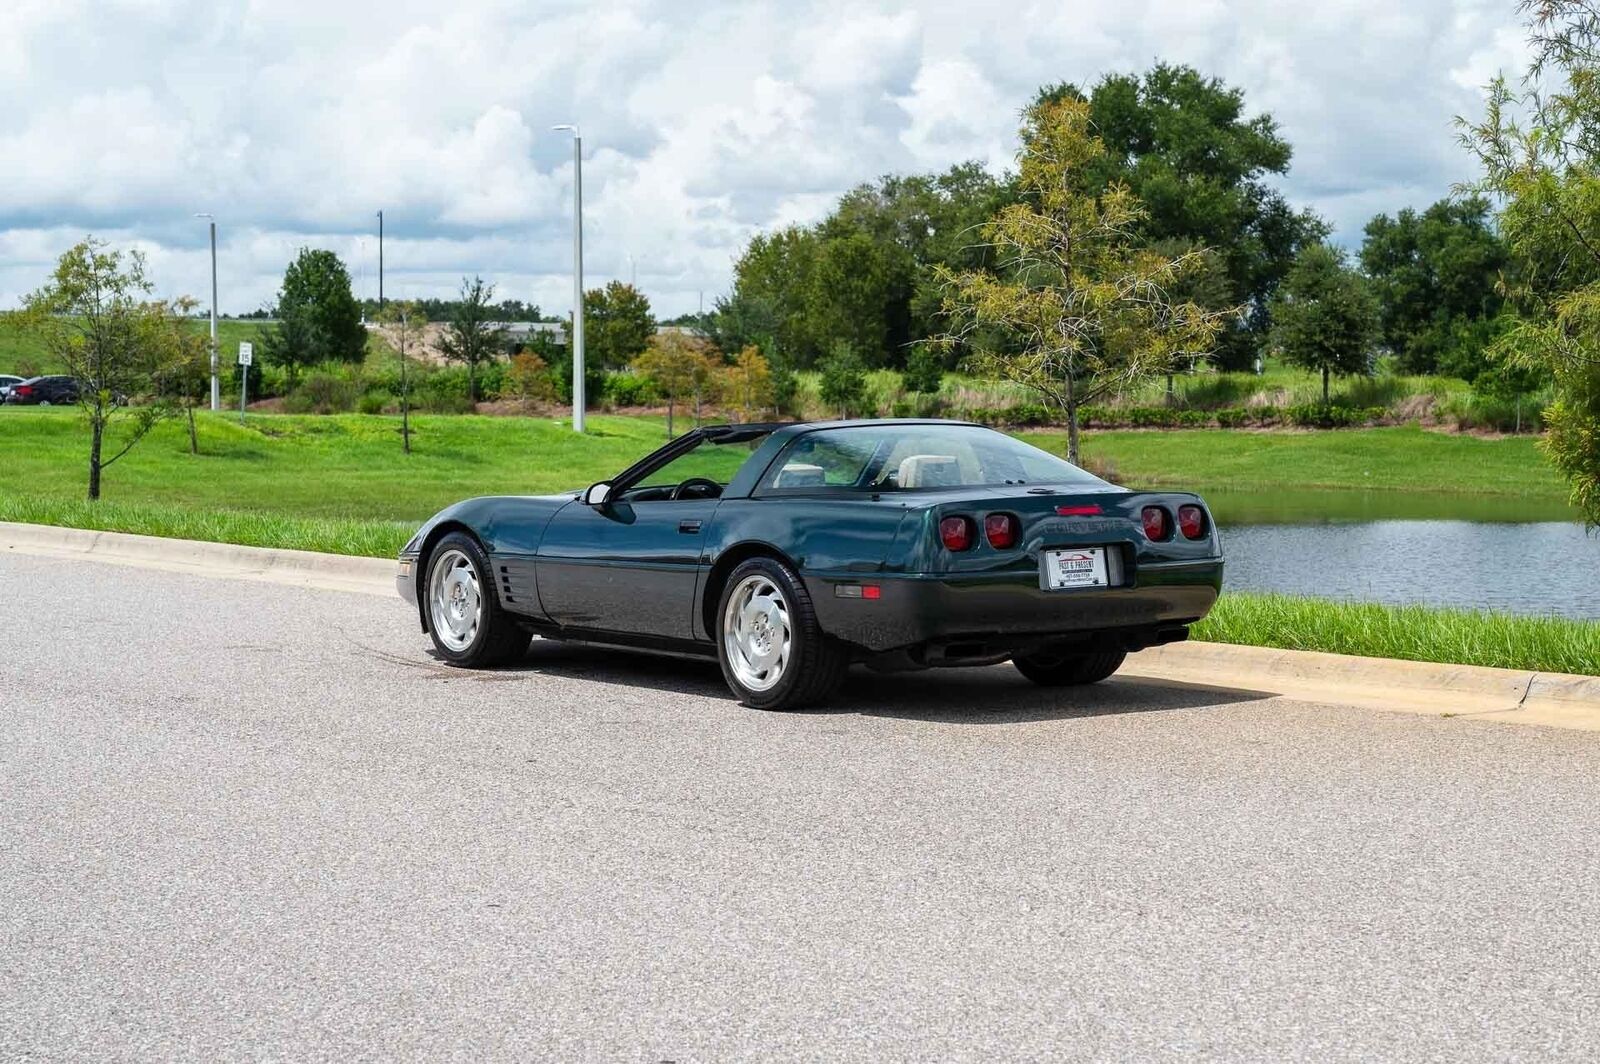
[(1078, 567)]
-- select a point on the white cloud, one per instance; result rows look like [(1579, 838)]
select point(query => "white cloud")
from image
[(294, 120)]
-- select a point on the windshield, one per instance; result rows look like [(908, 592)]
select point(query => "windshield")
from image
[(916, 457)]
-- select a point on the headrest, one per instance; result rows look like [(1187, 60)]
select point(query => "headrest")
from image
[(929, 471)]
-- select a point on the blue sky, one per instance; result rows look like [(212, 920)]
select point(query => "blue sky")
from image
[(703, 123)]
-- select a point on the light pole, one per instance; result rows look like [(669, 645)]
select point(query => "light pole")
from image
[(577, 275), (380, 260), (216, 387)]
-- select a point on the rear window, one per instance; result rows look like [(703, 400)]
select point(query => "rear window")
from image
[(882, 458)]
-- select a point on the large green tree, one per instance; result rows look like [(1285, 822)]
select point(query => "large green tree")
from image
[(1539, 144), (1202, 168), (1324, 318), (319, 319), (1435, 275), (1083, 303), (617, 325)]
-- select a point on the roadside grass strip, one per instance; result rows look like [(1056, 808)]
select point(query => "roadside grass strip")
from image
[(372, 539), (1412, 633)]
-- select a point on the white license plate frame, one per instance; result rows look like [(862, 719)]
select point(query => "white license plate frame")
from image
[(1074, 568)]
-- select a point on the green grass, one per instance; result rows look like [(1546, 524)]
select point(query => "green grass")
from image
[(375, 539), (1415, 633), (345, 466), (1404, 458)]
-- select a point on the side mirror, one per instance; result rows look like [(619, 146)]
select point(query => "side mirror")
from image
[(597, 494)]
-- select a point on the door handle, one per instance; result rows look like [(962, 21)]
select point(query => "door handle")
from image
[(688, 528)]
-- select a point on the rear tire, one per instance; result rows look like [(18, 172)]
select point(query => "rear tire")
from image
[(773, 652), (1048, 668), (468, 627)]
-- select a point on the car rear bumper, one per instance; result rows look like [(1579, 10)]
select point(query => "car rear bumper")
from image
[(913, 610)]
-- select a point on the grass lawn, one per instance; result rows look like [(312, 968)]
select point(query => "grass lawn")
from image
[(1404, 458), (1415, 633)]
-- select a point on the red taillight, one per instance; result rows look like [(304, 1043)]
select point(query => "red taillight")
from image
[(1157, 525), (956, 532), (1078, 511), (1191, 522), (1000, 530), (22, 389)]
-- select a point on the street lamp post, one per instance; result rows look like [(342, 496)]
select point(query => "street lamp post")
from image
[(380, 260), (216, 386), (577, 276)]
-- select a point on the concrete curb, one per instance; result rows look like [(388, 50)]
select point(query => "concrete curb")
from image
[(298, 568), (1558, 699), (1554, 699)]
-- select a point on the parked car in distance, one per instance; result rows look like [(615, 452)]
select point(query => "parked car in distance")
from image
[(6, 381), (44, 391), (788, 552)]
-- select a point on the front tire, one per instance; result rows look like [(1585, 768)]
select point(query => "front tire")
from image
[(1049, 668), (468, 627), (773, 652)]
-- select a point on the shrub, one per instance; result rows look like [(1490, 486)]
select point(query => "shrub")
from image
[(1333, 415), (324, 392), (630, 389), (376, 401)]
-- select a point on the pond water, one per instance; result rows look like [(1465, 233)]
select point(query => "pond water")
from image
[(1463, 551)]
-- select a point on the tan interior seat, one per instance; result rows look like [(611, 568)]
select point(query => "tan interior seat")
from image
[(929, 471), (800, 475)]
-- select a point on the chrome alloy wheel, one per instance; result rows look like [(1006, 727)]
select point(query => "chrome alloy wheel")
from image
[(756, 633), (455, 602)]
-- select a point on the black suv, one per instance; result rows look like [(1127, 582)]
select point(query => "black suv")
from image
[(44, 391)]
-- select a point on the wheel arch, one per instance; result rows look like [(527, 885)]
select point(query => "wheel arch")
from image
[(425, 555), (717, 578)]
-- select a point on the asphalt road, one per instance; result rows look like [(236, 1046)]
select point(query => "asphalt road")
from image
[(246, 821)]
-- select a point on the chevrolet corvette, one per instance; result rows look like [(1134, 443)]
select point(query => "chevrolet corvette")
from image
[(788, 552)]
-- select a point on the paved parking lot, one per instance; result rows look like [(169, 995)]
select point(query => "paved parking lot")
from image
[(247, 821)]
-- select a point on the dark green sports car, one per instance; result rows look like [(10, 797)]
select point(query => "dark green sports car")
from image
[(790, 551)]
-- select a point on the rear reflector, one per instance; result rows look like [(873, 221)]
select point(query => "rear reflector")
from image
[(857, 591), (1078, 511), (1157, 525), (1000, 530), (957, 533), (1192, 522)]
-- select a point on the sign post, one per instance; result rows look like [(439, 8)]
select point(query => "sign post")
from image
[(247, 354)]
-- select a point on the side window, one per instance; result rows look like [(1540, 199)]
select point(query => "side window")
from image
[(823, 460), (709, 460)]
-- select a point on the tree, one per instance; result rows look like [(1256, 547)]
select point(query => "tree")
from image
[(472, 337), (617, 325), (750, 382), (844, 379), (94, 316), (924, 370), (1324, 319), (1083, 306), (930, 221), (1544, 170), (529, 378), (705, 376), (672, 360), (1434, 275), (407, 322), (1201, 168), (319, 319)]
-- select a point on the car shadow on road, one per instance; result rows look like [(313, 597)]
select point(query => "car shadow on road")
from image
[(993, 695)]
